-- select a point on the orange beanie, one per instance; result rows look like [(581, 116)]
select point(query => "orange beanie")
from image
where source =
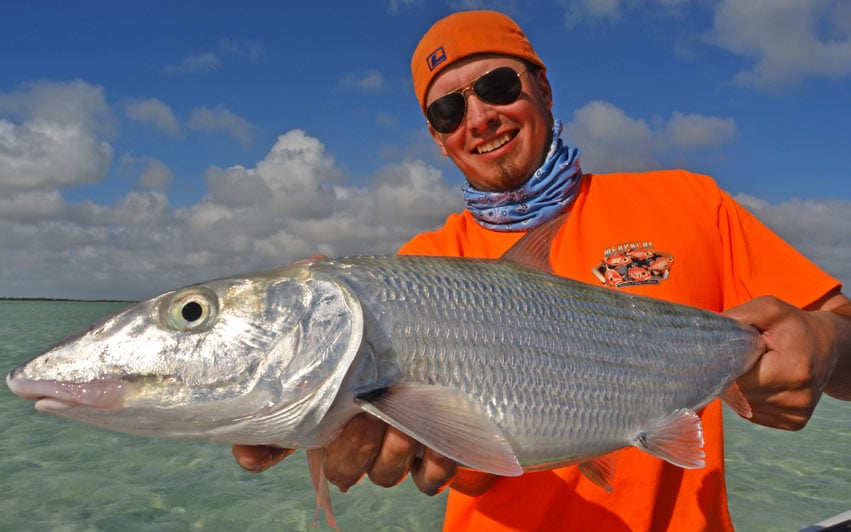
[(464, 34)]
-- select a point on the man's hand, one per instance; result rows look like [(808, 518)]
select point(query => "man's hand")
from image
[(802, 351), (365, 446), (257, 458)]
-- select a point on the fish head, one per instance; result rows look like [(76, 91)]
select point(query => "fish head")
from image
[(255, 360)]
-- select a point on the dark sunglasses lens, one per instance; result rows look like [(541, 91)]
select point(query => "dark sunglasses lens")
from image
[(445, 113), (502, 86)]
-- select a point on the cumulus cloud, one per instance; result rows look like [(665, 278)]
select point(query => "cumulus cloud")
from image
[(819, 228), (199, 63), (292, 204), (591, 10), (787, 41), (153, 173), (224, 120), (611, 140), (370, 81), (32, 204), (153, 112), (209, 61), (252, 51), (397, 5), (294, 201), (387, 120), (611, 11), (53, 134), (784, 41)]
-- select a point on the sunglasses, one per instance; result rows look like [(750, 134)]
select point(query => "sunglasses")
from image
[(500, 86)]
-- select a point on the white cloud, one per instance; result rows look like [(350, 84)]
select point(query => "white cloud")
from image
[(203, 62), (32, 204), (293, 204), (224, 120), (153, 112), (397, 5), (818, 228), (788, 40), (611, 140), (387, 120), (697, 132), (60, 102), (252, 51), (153, 173), (57, 137), (370, 81), (594, 11), (784, 41)]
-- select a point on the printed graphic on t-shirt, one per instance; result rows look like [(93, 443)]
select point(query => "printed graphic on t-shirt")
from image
[(633, 263)]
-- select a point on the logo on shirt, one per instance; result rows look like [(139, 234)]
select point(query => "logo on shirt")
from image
[(633, 263), (435, 58)]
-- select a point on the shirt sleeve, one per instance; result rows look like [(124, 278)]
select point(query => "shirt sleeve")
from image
[(419, 245), (758, 262)]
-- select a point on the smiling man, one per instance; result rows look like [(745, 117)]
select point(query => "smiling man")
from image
[(488, 102)]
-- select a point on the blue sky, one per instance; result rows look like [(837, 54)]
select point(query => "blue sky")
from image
[(146, 146)]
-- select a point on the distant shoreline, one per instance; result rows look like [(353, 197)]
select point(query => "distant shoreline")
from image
[(60, 299)]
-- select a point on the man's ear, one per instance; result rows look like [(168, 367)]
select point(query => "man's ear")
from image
[(438, 140), (545, 88)]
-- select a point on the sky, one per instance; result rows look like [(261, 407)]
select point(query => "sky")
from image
[(149, 145)]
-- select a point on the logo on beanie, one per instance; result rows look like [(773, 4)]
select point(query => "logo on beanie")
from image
[(435, 58)]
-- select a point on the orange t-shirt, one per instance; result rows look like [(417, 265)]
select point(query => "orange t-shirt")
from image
[(671, 235)]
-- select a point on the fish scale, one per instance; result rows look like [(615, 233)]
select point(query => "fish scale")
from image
[(562, 336)]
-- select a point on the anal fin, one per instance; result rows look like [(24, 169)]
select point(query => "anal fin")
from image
[(676, 438)]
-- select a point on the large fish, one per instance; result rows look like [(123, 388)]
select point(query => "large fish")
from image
[(497, 364)]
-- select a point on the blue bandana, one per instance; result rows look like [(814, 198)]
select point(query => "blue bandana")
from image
[(545, 195)]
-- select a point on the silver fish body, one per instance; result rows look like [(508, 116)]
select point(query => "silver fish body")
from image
[(499, 366)]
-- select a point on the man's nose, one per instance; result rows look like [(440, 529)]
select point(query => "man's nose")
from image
[(479, 113)]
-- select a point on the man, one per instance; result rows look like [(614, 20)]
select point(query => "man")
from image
[(671, 235)]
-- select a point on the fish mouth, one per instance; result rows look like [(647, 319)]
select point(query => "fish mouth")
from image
[(51, 395)]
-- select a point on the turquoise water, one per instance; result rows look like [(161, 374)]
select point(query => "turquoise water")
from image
[(59, 475)]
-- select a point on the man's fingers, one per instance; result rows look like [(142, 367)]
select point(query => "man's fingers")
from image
[(472, 482), (398, 451), (257, 458), (365, 445), (433, 472), (352, 452)]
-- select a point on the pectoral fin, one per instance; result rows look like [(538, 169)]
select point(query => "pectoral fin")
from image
[(447, 421), (315, 457), (735, 399)]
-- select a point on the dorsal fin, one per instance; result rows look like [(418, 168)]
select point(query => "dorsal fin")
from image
[(533, 250)]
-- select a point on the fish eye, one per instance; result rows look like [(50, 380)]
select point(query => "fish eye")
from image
[(192, 310)]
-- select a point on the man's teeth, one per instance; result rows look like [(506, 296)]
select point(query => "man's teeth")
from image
[(496, 143)]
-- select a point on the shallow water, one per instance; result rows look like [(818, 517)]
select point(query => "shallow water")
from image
[(59, 475)]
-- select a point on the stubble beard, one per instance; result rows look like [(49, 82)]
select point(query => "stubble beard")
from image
[(510, 176)]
